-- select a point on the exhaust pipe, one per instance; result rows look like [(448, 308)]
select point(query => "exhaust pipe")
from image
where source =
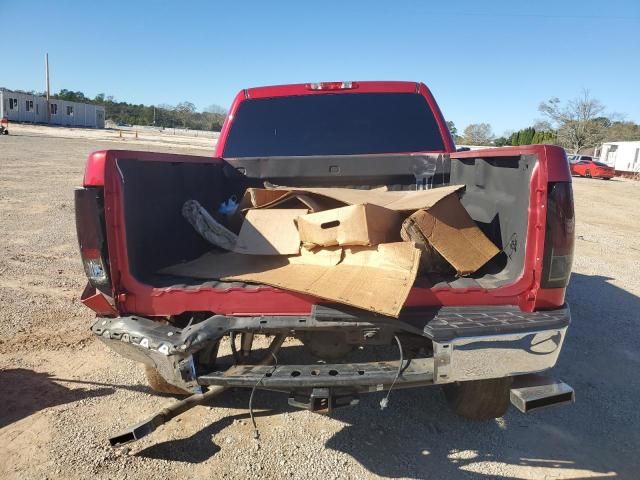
[(534, 391), (142, 429)]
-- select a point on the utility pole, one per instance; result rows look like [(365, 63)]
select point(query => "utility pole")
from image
[(46, 74)]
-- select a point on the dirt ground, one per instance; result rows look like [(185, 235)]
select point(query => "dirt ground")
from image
[(62, 393), (124, 136)]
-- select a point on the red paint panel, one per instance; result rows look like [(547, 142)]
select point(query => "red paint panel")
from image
[(302, 89), (94, 170), (94, 173), (447, 140), (97, 302)]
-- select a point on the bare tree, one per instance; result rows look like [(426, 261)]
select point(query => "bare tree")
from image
[(185, 110), (579, 122), (217, 109), (478, 134), (542, 126)]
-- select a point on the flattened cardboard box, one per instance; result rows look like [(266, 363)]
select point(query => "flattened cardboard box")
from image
[(448, 228), (393, 200), (372, 278), (365, 224)]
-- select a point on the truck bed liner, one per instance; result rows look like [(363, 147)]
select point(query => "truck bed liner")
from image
[(158, 236)]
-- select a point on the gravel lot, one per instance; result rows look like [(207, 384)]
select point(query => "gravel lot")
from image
[(63, 393)]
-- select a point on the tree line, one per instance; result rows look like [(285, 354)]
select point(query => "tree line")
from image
[(182, 115), (577, 124)]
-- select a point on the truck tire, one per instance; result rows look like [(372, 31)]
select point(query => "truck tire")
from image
[(479, 399), (159, 384)]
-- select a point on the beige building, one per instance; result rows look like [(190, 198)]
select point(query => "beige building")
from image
[(25, 107)]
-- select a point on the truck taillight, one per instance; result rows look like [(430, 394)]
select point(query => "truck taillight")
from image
[(90, 228), (559, 237), (332, 86)]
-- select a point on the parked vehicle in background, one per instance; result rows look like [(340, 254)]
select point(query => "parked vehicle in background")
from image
[(4, 126), (577, 158), (592, 169)]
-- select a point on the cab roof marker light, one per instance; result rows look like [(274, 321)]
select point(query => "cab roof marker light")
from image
[(332, 86)]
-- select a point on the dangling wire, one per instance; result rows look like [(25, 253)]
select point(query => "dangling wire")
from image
[(256, 433), (385, 401)]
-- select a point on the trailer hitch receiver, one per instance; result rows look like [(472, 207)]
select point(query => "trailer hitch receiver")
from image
[(322, 400)]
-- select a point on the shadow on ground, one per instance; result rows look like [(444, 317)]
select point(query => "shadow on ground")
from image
[(417, 436), (24, 392), (201, 446)]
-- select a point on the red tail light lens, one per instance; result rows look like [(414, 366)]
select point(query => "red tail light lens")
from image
[(90, 229), (559, 238)]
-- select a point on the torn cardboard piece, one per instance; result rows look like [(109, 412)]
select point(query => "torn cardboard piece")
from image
[(406, 200), (372, 278), (447, 228), (269, 232), (271, 198), (365, 224)]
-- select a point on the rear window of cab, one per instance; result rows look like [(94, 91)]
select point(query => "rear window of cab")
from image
[(333, 124)]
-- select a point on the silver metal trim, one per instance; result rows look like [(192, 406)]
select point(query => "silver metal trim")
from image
[(534, 392), (495, 356)]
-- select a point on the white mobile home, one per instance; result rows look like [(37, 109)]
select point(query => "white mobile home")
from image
[(624, 157), (25, 107)]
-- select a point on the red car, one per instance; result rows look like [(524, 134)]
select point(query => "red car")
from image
[(591, 168)]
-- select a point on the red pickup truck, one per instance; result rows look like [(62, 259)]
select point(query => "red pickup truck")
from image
[(482, 338)]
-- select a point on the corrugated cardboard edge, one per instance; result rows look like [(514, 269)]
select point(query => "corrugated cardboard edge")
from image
[(382, 289), (379, 280), (363, 224), (269, 232), (426, 222), (405, 200)]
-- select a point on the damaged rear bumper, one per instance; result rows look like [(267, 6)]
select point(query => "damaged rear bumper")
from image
[(469, 343)]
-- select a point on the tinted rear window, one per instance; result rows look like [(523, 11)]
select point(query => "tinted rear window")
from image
[(333, 124)]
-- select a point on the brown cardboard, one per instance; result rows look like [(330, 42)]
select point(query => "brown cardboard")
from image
[(269, 232), (406, 200), (271, 198), (448, 228), (365, 224), (373, 278)]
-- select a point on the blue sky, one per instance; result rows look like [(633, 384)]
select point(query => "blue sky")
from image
[(484, 61)]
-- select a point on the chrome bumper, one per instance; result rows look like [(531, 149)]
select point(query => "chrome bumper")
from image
[(469, 343), (494, 356)]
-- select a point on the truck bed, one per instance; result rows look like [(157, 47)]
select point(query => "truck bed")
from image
[(157, 236)]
